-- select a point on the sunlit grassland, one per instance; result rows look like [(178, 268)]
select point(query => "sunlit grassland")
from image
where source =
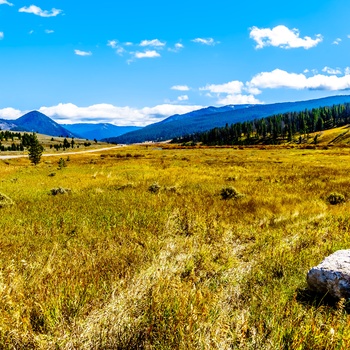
[(111, 265)]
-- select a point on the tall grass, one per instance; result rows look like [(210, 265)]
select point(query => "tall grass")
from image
[(111, 265)]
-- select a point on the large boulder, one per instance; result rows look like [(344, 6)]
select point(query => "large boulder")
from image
[(332, 275)]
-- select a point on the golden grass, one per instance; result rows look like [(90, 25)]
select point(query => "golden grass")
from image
[(110, 265)]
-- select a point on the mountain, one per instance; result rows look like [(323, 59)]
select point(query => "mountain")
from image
[(98, 131), (6, 124), (211, 117), (38, 122)]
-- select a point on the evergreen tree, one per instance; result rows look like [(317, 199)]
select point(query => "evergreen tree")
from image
[(35, 150)]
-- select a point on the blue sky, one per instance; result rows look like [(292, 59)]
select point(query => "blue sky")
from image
[(137, 62)]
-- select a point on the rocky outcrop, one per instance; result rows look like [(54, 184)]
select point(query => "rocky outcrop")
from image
[(332, 275)]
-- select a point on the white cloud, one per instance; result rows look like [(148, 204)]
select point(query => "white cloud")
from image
[(281, 79), (112, 43), (147, 54), (107, 113), (177, 47), (281, 36), (332, 71), (233, 87), (154, 43), (4, 2), (49, 31), (1, 35), (232, 93), (35, 10), (336, 41), (206, 41), (10, 113), (82, 53), (180, 88), (183, 98), (120, 51), (238, 99)]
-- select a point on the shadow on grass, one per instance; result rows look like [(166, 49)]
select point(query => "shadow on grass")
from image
[(310, 298)]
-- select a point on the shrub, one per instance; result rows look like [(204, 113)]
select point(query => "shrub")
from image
[(230, 193), (5, 201), (231, 178), (154, 188), (335, 198), (61, 163), (59, 190)]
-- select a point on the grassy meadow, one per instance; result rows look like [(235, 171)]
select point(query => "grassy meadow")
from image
[(142, 252)]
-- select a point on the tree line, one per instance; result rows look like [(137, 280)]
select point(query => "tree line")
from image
[(274, 129)]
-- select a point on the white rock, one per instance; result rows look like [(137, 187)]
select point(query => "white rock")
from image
[(332, 275)]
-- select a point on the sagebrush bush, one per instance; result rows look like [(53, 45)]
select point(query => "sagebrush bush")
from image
[(5, 200), (335, 198), (230, 193), (59, 190), (154, 188)]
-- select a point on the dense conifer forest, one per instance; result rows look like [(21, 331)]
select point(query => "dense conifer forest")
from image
[(275, 129)]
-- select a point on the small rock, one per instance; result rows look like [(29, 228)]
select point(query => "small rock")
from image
[(332, 275)]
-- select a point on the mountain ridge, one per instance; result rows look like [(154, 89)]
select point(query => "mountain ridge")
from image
[(201, 120)]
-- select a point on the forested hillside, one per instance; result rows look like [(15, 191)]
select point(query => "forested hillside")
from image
[(275, 129)]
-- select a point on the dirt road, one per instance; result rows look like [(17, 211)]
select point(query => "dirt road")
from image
[(62, 154)]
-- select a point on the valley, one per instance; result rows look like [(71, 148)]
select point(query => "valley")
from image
[(139, 249)]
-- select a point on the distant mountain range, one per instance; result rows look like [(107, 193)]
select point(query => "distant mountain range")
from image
[(211, 117), (98, 131), (40, 123), (173, 126)]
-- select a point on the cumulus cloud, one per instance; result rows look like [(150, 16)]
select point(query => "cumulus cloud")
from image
[(233, 87), (107, 113), (82, 53), (281, 79), (154, 43), (10, 113), (332, 71), (232, 93), (180, 88), (35, 10), (281, 36), (4, 2), (238, 99), (49, 31), (147, 54), (112, 43), (337, 41), (183, 98), (177, 47), (206, 41), (1, 35), (115, 45)]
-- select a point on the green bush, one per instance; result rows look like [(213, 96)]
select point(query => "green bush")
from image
[(154, 188), (230, 193), (335, 198)]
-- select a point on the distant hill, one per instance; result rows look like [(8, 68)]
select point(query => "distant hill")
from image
[(98, 131), (6, 124), (211, 117), (38, 122)]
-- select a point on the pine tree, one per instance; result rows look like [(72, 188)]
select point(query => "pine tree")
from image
[(35, 150)]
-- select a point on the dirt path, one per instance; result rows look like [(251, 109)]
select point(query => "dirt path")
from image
[(61, 154)]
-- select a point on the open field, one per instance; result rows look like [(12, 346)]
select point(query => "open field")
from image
[(113, 265)]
